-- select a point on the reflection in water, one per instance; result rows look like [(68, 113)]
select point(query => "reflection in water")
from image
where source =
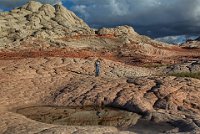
[(89, 116), (81, 117), (149, 127)]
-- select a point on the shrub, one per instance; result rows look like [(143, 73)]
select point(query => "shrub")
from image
[(187, 74)]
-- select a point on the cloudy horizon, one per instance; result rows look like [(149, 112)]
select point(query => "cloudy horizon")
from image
[(154, 18)]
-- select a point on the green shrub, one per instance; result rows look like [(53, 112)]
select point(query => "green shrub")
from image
[(154, 65), (187, 74)]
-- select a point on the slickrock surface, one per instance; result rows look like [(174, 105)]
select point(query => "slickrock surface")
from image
[(34, 71), (65, 82), (187, 67), (47, 57), (31, 82)]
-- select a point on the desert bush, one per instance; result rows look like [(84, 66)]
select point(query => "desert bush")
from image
[(187, 74)]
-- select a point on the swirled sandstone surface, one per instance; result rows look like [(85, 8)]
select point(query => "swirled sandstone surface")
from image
[(47, 57)]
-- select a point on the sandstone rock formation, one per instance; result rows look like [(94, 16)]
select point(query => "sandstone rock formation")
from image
[(42, 21), (34, 27), (192, 44), (71, 82), (47, 57), (188, 67)]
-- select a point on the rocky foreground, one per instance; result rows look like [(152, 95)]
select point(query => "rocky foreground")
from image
[(47, 59), (71, 82)]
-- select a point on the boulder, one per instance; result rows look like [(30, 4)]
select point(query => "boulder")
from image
[(32, 6), (118, 31)]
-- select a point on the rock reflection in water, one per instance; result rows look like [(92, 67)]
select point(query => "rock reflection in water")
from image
[(150, 127), (81, 117)]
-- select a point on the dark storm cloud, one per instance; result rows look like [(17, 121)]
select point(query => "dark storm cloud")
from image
[(154, 17), (151, 17)]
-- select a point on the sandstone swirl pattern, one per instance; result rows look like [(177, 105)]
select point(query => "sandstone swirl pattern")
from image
[(54, 81), (47, 57)]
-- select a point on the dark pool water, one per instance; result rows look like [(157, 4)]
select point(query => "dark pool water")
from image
[(149, 127), (89, 116)]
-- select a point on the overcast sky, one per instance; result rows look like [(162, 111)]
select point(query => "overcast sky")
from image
[(149, 17)]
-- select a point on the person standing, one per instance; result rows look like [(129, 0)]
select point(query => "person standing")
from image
[(97, 68)]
